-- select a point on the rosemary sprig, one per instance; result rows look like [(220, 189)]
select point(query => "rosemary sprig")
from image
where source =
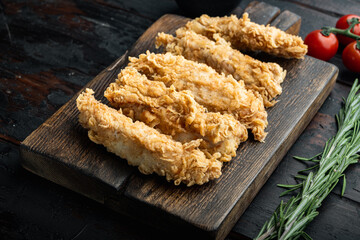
[(290, 219)]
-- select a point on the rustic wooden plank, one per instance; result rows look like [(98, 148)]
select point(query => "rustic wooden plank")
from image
[(64, 229), (102, 32), (261, 12), (63, 132), (144, 191), (205, 210), (215, 212), (334, 8), (288, 22), (34, 208), (238, 11), (62, 140), (195, 9), (56, 47), (144, 8), (168, 23), (34, 225), (27, 100), (105, 168)]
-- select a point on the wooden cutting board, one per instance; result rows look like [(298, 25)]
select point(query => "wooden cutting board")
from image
[(59, 150)]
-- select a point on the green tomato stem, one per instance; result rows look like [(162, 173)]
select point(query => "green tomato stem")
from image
[(346, 32)]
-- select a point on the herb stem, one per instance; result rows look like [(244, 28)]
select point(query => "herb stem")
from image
[(346, 32), (290, 219)]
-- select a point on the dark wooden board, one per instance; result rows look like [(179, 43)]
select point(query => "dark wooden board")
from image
[(60, 151), (34, 208), (54, 49)]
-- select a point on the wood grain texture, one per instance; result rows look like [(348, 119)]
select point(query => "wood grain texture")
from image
[(209, 206), (63, 140), (204, 210), (288, 21), (261, 12), (334, 8), (49, 50), (211, 209), (34, 208)]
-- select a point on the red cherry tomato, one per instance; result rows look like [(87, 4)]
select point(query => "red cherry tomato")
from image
[(321, 46), (351, 57), (342, 23)]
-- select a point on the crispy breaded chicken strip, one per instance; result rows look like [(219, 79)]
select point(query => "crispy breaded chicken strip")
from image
[(246, 35), (216, 92), (144, 146), (175, 113), (260, 77)]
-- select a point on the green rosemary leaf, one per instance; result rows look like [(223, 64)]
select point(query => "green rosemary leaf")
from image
[(262, 231), (299, 176), (282, 219), (310, 168), (320, 182), (275, 219), (299, 225), (344, 185), (305, 236), (289, 185), (307, 182), (289, 206), (288, 191), (307, 159), (290, 219)]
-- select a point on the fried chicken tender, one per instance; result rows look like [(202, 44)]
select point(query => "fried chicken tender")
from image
[(262, 78), (175, 113), (246, 35), (144, 146), (216, 92)]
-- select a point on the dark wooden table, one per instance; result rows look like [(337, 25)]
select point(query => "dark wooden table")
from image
[(50, 49)]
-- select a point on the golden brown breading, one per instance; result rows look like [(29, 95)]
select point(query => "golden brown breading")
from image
[(175, 113), (246, 35), (216, 92), (144, 146), (260, 77)]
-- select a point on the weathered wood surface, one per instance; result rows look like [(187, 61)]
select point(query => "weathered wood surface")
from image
[(58, 150), (85, 37)]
